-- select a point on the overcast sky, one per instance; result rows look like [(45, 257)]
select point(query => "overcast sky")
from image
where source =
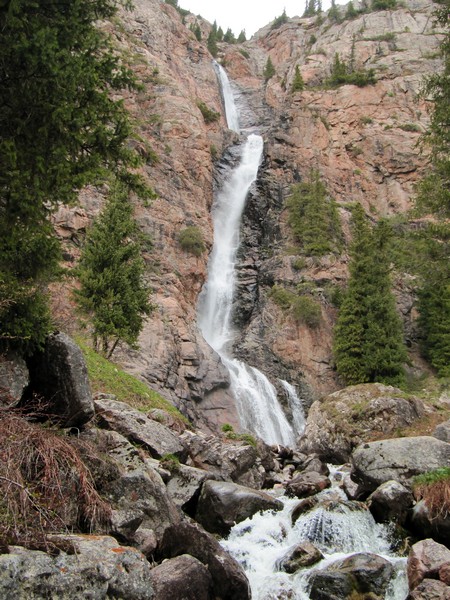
[(250, 15)]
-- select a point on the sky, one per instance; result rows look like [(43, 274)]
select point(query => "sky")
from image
[(250, 15)]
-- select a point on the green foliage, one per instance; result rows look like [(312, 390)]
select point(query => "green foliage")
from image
[(431, 477), (312, 8), (226, 427), (191, 240), (244, 53), (434, 488), (170, 462), (306, 310), (314, 218), (112, 292), (229, 37), (279, 21), (60, 129), (212, 42), (108, 378), (196, 31), (412, 127), (333, 14), (368, 344), (297, 83), (384, 4), (242, 37), (209, 115), (343, 74), (351, 12), (282, 296), (269, 70)]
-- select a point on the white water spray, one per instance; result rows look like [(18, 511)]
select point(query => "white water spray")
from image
[(258, 407)]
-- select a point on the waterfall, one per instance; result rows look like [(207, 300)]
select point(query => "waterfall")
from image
[(338, 528), (256, 399), (296, 407)]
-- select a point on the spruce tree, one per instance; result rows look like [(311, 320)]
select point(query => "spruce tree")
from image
[(269, 70), (60, 129), (112, 290), (297, 83), (368, 343), (242, 37)]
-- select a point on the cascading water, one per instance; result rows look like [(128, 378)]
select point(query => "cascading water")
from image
[(256, 398), (336, 526)]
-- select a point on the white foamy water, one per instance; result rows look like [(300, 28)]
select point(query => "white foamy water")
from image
[(228, 100), (338, 529)]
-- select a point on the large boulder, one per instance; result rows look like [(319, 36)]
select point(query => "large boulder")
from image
[(307, 484), (222, 504), (338, 423), (184, 486), (430, 589), (228, 460), (424, 524), (390, 502), (14, 379), (442, 431), (229, 580), (59, 374), (425, 560), (182, 578), (91, 567), (138, 428), (397, 459), (347, 578)]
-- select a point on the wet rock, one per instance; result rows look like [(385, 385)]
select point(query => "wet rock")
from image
[(182, 578), (303, 555), (97, 567), (425, 560), (223, 504), (14, 378), (426, 525), (341, 421), (430, 589), (303, 507), (229, 580), (352, 490), (390, 502), (444, 573), (397, 459), (362, 573), (307, 484), (313, 463), (138, 427), (59, 374)]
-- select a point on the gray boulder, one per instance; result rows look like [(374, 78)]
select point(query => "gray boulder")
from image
[(60, 375), (397, 459), (390, 502), (185, 483), (97, 567), (425, 560), (357, 574), (138, 428), (182, 578), (14, 378), (307, 484), (341, 421), (442, 431), (426, 525), (229, 580), (303, 555), (222, 504)]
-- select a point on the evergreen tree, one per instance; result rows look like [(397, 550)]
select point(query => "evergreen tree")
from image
[(314, 218), (279, 21), (242, 37), (269, 70), (220, 34), (212, 43), (229, 37), (351, 12), (297, 83), (59, 130), (196, 31), (434, 198), (334, 14), (368, 343), (112, 292)]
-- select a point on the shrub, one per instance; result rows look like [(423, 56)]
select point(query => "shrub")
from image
[(297, 83), (269, 70), (412, 127), (226, 427), (244, 53), (191, 240), (279, 21), (384, 4), (170, 462), (281, 296), (306, 310), (434, 488), (209, 115)]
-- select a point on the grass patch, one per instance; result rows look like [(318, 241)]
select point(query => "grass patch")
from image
[(109, 378), (434, 489)]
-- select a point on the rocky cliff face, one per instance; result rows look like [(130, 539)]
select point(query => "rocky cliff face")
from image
[(363, 141)]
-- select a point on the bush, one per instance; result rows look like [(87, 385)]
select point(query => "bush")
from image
[(384, 4), (412, 127), (209, 115), (170, 462), (279, 21), (281, 296), (191, 240), (434, 488), (306, 310), (226, 427), (269, 70)]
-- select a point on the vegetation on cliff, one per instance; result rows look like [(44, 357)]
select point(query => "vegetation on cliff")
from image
[(60, 129)]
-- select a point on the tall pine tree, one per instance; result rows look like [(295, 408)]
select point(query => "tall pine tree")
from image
[(368, 344), (112, 290)]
